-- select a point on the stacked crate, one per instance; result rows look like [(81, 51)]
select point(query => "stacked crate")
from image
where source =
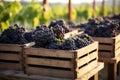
[(109, 52), (11, 56), (61, 63), (108, 48)]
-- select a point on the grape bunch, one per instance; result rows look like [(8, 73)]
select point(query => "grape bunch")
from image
[(117, 18), (56, 28), (58, 31), (68, 44), (61, 23), (72, 43), (101, 27), (13, 35), (42, 36), (29, 35)]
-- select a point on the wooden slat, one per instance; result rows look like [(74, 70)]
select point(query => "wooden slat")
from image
[(89, 74), (117, 52), (21, 76), (72, 33), (50, 72), (11, 66), (117, 45), (105, 54), (87, 58), (49, 52), (7, 56), (107, 60), (117, 38), (86, 68), (10, 47), (49, 62), (117, 58), (103, 40), (29, 44), (87, 49), (105, 47)]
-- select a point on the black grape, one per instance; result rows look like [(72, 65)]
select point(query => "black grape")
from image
[(103, 27), (68, 44), (13, 35), (29, 35)]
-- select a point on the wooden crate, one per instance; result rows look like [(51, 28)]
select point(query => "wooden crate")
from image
[(11, 56), (19, 75), (108, 47), (61, 63)]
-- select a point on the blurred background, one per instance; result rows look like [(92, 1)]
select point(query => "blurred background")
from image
[(30, 13)]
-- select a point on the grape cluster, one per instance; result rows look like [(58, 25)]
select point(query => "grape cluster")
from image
[(29, 35), (60, 23), (72, 43), (13, 35), (68, 44), (43, 36), (56, 28), (59, 28), (101, 27), (48, 36), (117, 18)]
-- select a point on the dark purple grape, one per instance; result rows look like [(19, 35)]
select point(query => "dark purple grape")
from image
[(13, 35)]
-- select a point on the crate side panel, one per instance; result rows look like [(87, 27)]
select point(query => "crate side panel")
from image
[(50, 72), (87, 49), (89, 74), (7, 56), (49, 52), (10, 47), (86, 68), (87, 58), (105, 54), (103, 40), (49, 62), (10, 66), (105, 47)]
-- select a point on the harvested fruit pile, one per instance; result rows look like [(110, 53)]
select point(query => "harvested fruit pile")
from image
[(50, 37), (13, 35), (102, 27)]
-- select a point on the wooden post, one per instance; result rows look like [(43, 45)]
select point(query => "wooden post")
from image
[(94, 8), (112, 71), (113, 6), (103, 7), (69, 10), (118, 73), (45, 4), (95, 77), (45, 8)]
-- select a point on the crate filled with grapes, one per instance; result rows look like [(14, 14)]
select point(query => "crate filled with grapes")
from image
[(11, 48), (13, 39), (105, 30), (56, 56)]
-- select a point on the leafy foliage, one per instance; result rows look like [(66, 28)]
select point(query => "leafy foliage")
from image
[(33, 14)]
